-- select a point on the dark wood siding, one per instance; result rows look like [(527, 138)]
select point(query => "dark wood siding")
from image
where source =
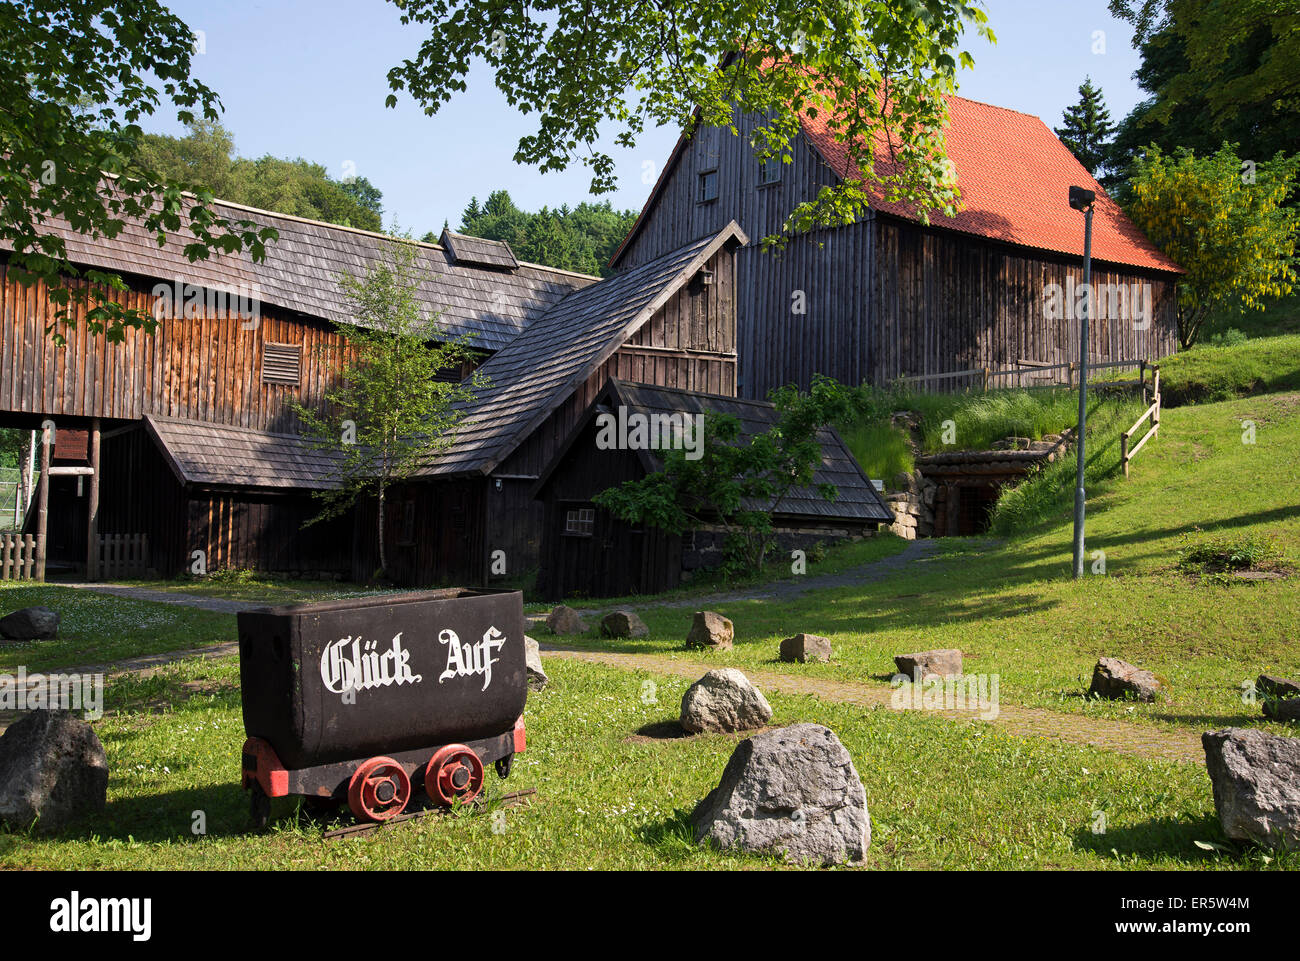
[(881, 298), (205, 368), (435, 534), (618, 559)]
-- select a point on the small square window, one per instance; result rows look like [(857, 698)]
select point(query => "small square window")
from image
[(708, 186), (769, 172), (580, 522)]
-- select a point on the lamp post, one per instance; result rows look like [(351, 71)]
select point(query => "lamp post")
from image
[(1081, 199)]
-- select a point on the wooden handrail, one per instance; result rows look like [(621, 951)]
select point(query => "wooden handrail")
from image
[(1125, 454)]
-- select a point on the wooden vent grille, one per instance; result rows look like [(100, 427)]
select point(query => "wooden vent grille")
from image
[(281, 364)]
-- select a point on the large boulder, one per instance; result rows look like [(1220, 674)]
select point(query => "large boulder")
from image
[(724, 700), (1285, 711), (1281, 697), (793, 790), (711, 631), (52, 770), (806, 647), (30, 624), (1256, 779), (565, 620), (623, 624), (537, 678), (1277, 687), (923, 664), (1119, 680)]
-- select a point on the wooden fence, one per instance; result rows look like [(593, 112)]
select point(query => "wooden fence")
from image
[(123, 555), (1033, 369), (1153, 412), (17, 557)]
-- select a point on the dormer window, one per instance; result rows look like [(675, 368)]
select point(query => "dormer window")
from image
[(708, 186)]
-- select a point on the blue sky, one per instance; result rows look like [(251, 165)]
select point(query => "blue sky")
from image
[(307, 78)]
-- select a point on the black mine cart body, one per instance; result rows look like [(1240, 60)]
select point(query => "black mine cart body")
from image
[(370, 701)]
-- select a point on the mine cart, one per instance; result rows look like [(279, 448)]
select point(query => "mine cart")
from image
[(368, 701)]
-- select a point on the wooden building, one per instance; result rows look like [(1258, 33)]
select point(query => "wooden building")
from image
[(588, 552), (189, 437), (887, 297)]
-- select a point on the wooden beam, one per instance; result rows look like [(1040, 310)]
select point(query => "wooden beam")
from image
[(92, 506), (43, 502), (65, 471)]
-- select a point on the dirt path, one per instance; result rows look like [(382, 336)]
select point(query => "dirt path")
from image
[(220, 605), (914, 552), (1121, 736)]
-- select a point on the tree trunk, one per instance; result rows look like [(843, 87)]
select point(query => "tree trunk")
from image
[(383, 550)]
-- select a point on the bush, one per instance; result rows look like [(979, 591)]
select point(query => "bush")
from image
[(1200, 553)]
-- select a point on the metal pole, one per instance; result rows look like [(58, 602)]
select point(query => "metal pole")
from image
[(92, 506), (1079, 495)]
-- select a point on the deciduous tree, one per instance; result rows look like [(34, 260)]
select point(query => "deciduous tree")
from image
[(76, 79), (876, 70), (1225, 222), (739, 481), (399, 396)]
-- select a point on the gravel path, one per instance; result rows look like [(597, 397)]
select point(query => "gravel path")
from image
[(217, 604), (1121, 736)]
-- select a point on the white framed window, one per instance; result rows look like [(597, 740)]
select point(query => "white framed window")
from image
[(580, 521)]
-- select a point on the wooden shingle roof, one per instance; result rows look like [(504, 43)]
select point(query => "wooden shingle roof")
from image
[(542, 367), (302, 268), (219, 455), (856, 499), (478, 252)]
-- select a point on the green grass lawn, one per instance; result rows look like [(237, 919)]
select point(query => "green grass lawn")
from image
[(1209, 373), (96, 629), (941, 794), (1012, 608)]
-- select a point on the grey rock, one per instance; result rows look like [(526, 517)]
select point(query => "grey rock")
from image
[(565, 620), (923, 664), (30, 624), (1256, 780), (1119, 680), (723, 701), (711, 631), (806, 647), (623, 624), (1272, 686), (52, 770), (793, 790), (537, 678), (1286, 710)]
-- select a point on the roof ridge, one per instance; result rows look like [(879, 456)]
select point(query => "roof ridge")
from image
[(379, 235)]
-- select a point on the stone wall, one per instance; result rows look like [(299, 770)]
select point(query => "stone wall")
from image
[(913, 505)]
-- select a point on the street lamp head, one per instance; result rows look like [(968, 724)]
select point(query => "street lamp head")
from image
[(1081, 199)]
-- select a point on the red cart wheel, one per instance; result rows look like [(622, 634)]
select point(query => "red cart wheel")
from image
[(379, 790), (454, 772)]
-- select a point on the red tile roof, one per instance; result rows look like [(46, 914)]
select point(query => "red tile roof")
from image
[(1014, 175)]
